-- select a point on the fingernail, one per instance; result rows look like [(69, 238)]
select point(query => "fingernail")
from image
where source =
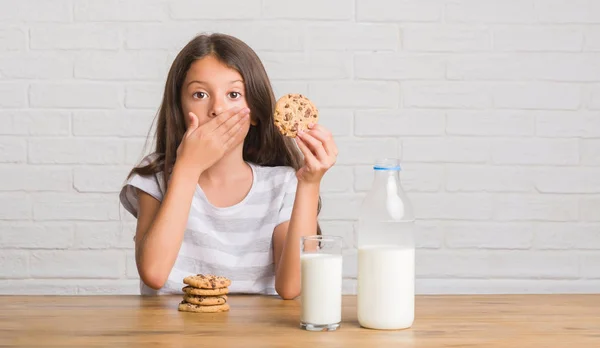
[(310, 125)]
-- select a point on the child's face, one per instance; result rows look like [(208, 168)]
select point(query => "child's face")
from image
[(211, 87)]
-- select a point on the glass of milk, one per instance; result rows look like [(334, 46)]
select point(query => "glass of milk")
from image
[(321, 281)]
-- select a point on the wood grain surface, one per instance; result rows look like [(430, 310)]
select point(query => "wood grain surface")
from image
[(255, 321)]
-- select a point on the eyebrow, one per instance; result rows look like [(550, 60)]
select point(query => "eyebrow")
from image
[(205, 83)]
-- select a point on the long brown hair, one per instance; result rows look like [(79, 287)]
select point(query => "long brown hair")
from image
[(263, 145)]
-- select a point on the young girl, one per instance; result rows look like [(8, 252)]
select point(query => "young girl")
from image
[(224, 192)]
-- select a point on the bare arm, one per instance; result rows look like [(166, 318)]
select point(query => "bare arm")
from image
[(320, 153), (161, 227), (286, 240)]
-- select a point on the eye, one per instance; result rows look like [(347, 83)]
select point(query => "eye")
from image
[(199, 95), (235, 95)]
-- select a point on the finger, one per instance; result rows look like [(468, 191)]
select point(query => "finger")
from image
[(222, 118), (314, 145), (235, 135), (226, 126), (309, 157), (325, 137), (193, 121)]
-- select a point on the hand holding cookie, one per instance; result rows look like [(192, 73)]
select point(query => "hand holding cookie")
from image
[(320, 153)]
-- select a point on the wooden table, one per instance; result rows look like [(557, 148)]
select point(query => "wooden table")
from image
[(441, 321)]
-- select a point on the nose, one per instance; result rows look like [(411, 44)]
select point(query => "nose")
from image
[(218, 106)]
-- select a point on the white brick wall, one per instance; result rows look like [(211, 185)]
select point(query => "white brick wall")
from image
[(492, 105)]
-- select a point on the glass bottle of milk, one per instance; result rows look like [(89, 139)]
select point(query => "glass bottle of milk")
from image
[(386, 252)]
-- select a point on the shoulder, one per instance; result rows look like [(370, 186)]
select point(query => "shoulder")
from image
[(151, 184)]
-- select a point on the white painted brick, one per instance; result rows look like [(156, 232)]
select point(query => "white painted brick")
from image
[(445, 150), (144, 95), (590, 208), (593, 101), (590, 265), (338, 179), (97, 235), (349, 286), (34, 65), (497, 264), (535, 151), (13, 150), (35, 122), (350, 263), (460, 286), (488, 235), (35, 235), (76, 207), (592, 38), (490, 123), (281, 87), (15, 206), (495, 66), (13, 95), (164, 36), (77, 264), (12, 38), (337, 121), (568, 11), (365, 151), (400, 66), (490, 11), (452, 206), (537, 95), (303, 66), (119, 123), (358, 94), (36, 11), (309, 9), (399, 122), (206, 9), (128, 66), (567, 180), (590, 151), (75, 95), (76, 151), (414, 177), (540, 207), (135, 150), (15, 264), (340, 206), (538, 38), (37, 287), (350, 36), (267, 36), (466, 177), (104, 179), (35, 178), (109, 287), (127, 234), (446, 95), (74, 37), (399, 10), (567, 236), (120, 10), (446, 38), (568, 67), (344, 229), (132, 271), (568, 124), (428, 235)]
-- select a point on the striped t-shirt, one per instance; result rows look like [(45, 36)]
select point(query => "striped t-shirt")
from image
[(234, 241)]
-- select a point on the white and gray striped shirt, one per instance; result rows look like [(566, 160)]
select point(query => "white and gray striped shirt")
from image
[(235, 241)]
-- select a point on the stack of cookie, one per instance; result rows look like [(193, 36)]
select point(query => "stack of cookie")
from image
[(205, 294)]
